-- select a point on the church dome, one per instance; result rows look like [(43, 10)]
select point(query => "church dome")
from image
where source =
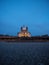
[(24, 28)]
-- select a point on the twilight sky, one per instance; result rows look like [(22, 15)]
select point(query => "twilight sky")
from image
[(31, 13)]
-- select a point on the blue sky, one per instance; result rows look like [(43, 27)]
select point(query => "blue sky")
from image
[(32, 13)]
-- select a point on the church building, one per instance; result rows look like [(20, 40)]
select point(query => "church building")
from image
[(24, 32)]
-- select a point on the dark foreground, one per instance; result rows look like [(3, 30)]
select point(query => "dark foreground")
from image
[(24, 53), (23, 39)]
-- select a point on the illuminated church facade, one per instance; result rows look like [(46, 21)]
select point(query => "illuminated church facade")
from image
[(24, 32)]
